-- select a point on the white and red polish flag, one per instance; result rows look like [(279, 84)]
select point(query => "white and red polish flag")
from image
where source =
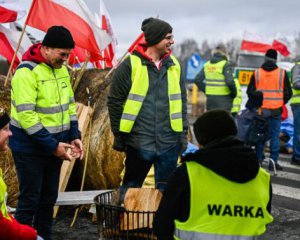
[(10, 11), (8, 44), (75, 16), (109, 53), (281, 47), (255, 43)]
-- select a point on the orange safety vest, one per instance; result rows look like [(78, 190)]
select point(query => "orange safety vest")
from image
[(271, 84)]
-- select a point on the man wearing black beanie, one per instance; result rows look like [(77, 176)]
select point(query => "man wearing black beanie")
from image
[(207, 196), (147, 107), (44, 124), (274, 83)]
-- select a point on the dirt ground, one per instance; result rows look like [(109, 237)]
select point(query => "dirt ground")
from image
[(286, 225)]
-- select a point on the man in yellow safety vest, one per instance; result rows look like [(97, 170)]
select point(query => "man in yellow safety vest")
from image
[(147, 107)]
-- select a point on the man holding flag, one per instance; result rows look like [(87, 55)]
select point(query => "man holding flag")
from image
[(147, 107), (43, 123)]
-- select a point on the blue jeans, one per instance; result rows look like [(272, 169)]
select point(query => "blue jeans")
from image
[(274, 131), (138, 163), (38, 177), (296, 139)]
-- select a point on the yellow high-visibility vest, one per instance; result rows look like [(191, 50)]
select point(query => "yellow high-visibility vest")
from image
[(222, 209), (138, 92), (215, 79), (295, 78)]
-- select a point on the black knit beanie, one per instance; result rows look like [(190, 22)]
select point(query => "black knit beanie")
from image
[(214, 124), (271, 54), (4, 119), (58, 37), (155, 30)]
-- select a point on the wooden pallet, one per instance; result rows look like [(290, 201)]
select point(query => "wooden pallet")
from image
[(84, 114)]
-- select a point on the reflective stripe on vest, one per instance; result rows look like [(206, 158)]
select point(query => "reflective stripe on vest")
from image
[(138, 92), (189, 235), (295, 79), (236, 209), (237, 101), (214, 79), (271, 84)]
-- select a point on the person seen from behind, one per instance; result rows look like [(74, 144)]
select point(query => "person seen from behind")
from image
[(216, 81), (274, 83), (218, 192)]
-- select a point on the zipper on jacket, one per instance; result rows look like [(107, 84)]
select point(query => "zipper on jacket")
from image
[(62, 113)]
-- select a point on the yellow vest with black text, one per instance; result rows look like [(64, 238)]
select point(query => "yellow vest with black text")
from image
[(214, 79), (45, 99), (295, 78), (237, 101), (139, 89), (222, 209)]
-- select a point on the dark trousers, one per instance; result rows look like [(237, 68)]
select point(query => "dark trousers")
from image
[(138, 163), (38, 177)]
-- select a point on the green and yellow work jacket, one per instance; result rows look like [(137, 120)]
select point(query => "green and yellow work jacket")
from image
[(42, 108)]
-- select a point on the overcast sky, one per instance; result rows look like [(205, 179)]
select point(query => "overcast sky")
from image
[(214, 20)]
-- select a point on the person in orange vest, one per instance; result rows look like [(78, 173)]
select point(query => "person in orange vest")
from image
[(273, 82)]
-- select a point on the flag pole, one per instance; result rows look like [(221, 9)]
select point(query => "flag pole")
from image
[(14, 57), (19, 44), (114, 67)]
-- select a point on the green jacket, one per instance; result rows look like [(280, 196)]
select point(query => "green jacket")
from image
[(42, 108)]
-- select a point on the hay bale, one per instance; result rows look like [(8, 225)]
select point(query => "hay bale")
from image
[(104, 164)]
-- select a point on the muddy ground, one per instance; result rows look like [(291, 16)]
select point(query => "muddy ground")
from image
[(286, 226)]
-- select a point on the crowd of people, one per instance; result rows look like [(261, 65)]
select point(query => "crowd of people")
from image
[(218, 192)]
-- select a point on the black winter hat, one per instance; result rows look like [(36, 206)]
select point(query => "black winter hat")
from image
[(4, 119), (155, 30), (271, 54), (58, 37), (214, 124)]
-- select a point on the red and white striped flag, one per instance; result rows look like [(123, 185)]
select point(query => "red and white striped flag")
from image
[(109, 53), (281, 47), (75, 16), (255, 43), (8, 44), (10, 11)]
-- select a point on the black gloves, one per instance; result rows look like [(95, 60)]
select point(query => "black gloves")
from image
[(119, 143)]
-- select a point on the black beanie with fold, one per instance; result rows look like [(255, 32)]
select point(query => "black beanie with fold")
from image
[(212, 125), (271, 54), (155, 30), (58, 37)]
